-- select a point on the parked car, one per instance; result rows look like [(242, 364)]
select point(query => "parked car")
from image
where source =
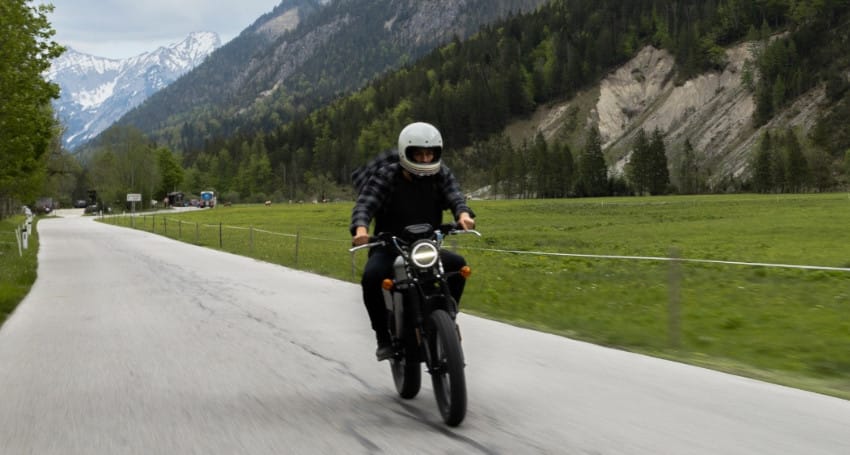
[(80, 204)]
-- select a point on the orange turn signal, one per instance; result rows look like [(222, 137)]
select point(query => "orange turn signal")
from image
[(465, 271), (387, 284)]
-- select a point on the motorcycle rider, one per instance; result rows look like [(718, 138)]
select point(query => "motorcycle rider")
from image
[(407, 186)]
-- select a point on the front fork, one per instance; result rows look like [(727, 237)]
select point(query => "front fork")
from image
[(399, 322), (394, 303)]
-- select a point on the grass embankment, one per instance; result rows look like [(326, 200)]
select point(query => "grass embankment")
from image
[(17, 272), (785, 325)]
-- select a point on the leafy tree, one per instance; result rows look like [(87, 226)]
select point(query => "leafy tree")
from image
[(778, 168), (647, 169), (687, 172), (223, 167), (638, 169), (563, 166), (521, 164), (592, 171), (820, 171), (836, 86), (489, 157), (193, 178), (762, 178), (320, 187), (847, 164), (778, 93), (170, 172), (26, 118), (63, 173), (659, 175), (541, 168), (796, 166), (125, 162), (764, 104), (512, 172), (255, 172), (831, 131)]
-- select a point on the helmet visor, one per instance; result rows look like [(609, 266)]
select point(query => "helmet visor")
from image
[(423, 155)]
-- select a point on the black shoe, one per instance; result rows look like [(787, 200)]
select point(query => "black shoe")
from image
[(385, 350)]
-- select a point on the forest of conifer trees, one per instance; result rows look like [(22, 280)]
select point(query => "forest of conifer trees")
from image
[(472, 89)]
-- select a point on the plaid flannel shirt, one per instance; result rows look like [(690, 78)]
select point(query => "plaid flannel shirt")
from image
[(374, 182)]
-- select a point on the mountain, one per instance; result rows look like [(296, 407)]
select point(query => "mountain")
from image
[(97, 91), (300, 56), (267, 115), (712, 111)]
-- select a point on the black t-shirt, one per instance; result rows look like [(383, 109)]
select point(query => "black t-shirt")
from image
[(419, 200)]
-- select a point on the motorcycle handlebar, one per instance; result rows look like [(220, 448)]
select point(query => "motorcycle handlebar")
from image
[(382, 238), (372, 242), (464, 231)]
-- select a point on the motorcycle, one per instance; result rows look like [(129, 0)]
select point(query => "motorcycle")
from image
[(421, 314)]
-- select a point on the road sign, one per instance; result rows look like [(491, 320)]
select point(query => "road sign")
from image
[(134, 197)]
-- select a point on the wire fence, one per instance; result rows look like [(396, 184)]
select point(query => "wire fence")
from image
[(199, 233), (288, 249), (21, 235), (667, 259)]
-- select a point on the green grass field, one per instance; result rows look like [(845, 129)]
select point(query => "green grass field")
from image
[(17, 271), (785, 325)]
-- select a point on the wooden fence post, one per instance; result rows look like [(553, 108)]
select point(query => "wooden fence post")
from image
[(674, 323), (297, 241)]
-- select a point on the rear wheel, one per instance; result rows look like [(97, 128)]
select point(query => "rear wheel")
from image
[(447, 368), (407, 373)]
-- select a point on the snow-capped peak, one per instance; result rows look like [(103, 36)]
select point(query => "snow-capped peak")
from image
[(97, 91), (186, 54)]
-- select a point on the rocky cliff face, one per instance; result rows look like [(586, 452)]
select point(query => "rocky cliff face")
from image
[(713, 111), (408, 27), (330, 48)]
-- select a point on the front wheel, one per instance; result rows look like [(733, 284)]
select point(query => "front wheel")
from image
[(407, 373), (446, 368)]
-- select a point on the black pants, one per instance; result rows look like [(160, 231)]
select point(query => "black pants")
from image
[(380, 266)]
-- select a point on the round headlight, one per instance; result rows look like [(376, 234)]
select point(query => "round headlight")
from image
[(424, 254)]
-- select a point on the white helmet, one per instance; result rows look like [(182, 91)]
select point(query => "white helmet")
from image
[(423, 135)]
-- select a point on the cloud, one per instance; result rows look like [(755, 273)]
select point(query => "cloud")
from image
[(124, 28)]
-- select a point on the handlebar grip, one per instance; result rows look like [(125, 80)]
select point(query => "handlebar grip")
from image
[(373, 241)]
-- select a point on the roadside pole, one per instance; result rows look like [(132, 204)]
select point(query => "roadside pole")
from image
[(132, 198)]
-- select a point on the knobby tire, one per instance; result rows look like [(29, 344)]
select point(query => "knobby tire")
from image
[(447, 374), (407, 373)]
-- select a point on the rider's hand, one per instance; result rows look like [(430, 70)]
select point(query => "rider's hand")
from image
[(361, 236), (465, 221)]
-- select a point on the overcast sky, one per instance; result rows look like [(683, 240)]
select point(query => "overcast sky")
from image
[(126, 28)]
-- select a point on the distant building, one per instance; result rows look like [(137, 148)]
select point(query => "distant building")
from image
[(174, 199)]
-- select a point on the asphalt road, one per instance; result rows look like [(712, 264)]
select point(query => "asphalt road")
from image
[(130, 343)]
